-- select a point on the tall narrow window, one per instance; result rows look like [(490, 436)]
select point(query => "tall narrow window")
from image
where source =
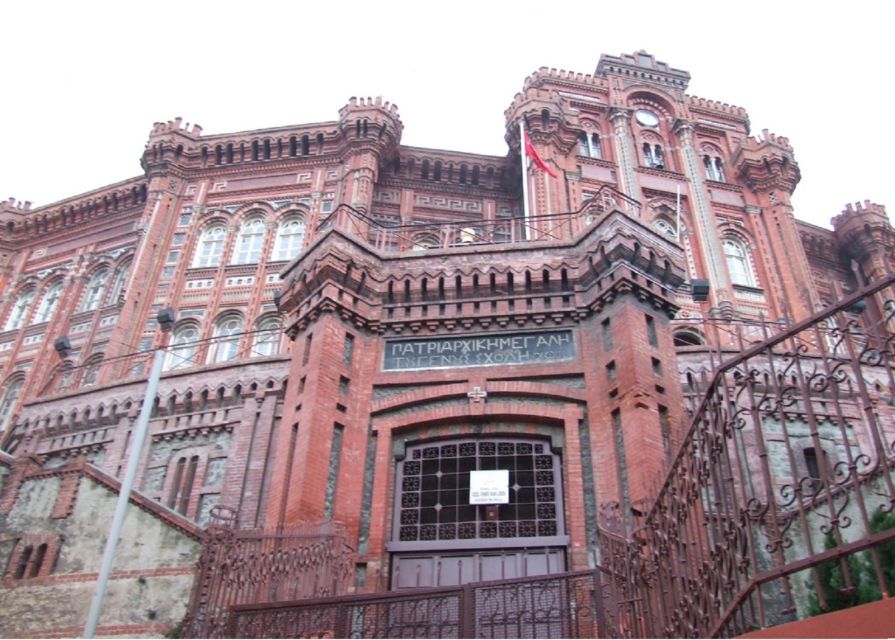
[(250, 242), (211, 246), (48, 303), (714, 169), (738, 262), (290, 238), (19, 311), (653, 156), (306, 356), (184, 476), (24, 559), (651, 331), (348, 349), (94, 294), (183, 348), (118, 283), (332, 477), (91, 370), (267, 338), (226, 344), (589, 145), (606, 328), (10, 398)]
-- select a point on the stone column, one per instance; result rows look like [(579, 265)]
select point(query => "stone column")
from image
[(625, 152), (706, 225)]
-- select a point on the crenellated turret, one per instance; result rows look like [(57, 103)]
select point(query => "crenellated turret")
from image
[(12, 213), (866, 236), (767, 163), (371, 123), (170, 142)]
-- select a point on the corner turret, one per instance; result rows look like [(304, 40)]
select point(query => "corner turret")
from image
[(865, 235), (767, 163), (170, 142), (371, 123)]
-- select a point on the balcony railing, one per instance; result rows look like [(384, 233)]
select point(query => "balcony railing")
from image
[(463, 233)]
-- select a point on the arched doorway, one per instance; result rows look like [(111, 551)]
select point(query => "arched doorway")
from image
[(442, 537)]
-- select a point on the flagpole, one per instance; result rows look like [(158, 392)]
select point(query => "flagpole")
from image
[(525, 215), (677, 228)]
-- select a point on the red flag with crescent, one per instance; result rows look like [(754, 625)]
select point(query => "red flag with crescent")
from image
[(531, 153)]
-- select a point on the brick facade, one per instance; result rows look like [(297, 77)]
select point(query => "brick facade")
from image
[(297, 257)]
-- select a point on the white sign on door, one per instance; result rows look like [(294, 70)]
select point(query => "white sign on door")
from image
[(489, 487)]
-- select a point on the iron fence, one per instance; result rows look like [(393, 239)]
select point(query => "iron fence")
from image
[(388, 236), (556, 606), (249, 566), (778, 500)]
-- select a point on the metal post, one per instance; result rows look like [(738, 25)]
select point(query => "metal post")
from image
[(124, 494), (526, 216)]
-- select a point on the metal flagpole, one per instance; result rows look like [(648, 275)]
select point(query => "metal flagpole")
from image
[(525, 215), (677, 223), (124, 494)]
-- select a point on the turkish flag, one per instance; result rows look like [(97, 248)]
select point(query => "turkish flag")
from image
[(531, 153)]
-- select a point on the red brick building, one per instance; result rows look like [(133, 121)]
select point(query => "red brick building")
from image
[(361, 324)]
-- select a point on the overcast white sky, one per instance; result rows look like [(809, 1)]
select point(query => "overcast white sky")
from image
[(82, 82)]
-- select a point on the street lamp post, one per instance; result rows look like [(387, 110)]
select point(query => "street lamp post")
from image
[(165, 319)]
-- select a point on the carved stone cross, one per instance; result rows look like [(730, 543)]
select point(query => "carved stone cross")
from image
[(477, 394)]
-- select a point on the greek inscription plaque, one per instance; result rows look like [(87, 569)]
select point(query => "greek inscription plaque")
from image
[(479, 351)]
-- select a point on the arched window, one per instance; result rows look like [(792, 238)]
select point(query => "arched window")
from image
[(183, 347), (589, 145), (653, 156), (250, 242), (714, 168), (226, 343), (290, 238), (48, 303), (10, 398), (425, 241), (211, 246), (94, 294), (91, 370), (664, 227), (738, 264), (19, 310), (118, 283), (687, 338), (267, 338)]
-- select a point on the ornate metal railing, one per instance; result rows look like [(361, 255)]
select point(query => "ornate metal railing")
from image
[(250, 566), (555, 606), (390, 237), (778, 499)]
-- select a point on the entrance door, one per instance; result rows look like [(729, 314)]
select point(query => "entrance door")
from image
[(445, 539)]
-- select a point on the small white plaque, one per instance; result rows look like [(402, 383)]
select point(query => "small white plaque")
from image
[(489, 487)]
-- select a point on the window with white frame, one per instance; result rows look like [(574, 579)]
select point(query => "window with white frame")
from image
[(664, 227), (267, 338), (738, 264), (290, 238), (48, 303), (211, 246), (19, 310), (10, 398), (653, 156), (250, 242), (182, 348), (118, 283), (225, 345), (95, 287), (589, 145), (714, 168), (91, 370)]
